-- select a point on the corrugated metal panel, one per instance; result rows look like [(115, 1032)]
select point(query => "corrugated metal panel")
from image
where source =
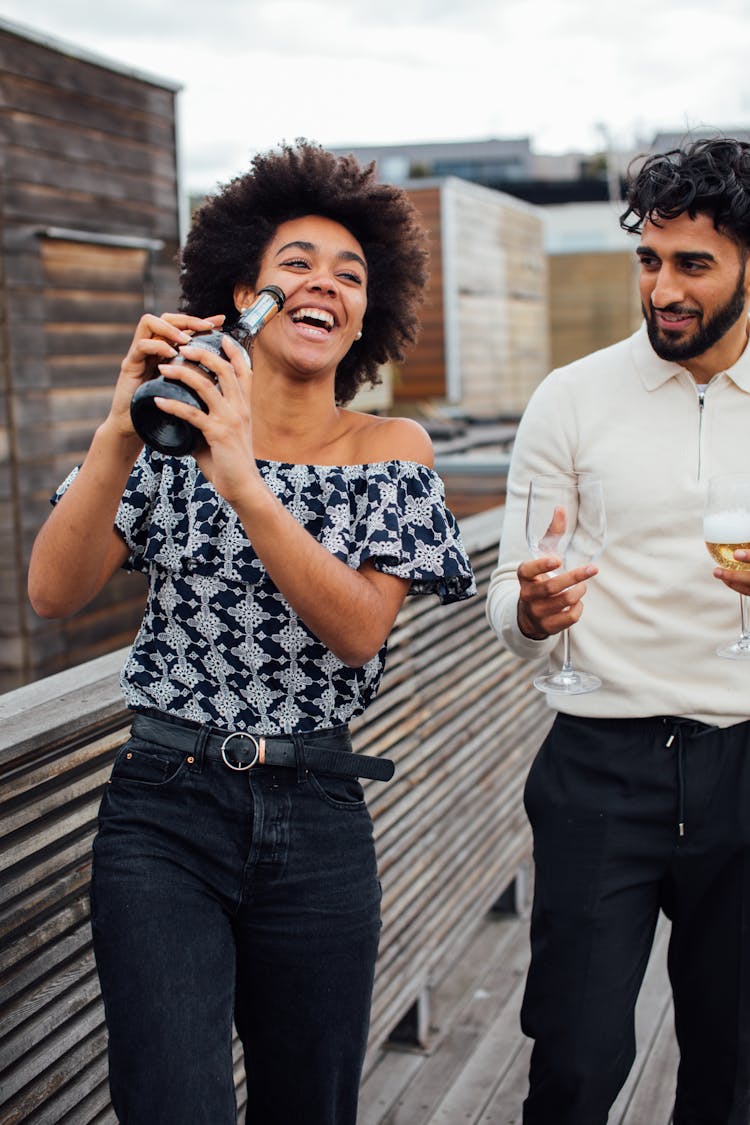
[(457, 714)]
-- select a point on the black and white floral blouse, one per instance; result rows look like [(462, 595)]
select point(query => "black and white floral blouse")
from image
[(219, 644)]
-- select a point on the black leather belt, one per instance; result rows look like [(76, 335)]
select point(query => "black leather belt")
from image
[(243, 750)]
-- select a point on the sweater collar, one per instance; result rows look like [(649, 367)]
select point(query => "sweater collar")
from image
[(655, 372)]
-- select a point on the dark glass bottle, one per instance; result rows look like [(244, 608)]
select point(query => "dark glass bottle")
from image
[(175, 436)]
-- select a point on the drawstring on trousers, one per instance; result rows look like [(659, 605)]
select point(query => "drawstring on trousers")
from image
[(681, 729), (677, 734)]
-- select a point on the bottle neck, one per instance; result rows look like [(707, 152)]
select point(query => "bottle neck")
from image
[(268, 302)]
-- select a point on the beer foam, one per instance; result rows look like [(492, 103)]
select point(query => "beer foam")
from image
[(731, 526)]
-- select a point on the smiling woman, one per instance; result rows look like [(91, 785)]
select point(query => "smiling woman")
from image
[(234, 872), (233, 230), (322, 270)]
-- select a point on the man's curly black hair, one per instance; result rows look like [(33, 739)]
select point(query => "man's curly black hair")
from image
[(231, 231), (709, 176)]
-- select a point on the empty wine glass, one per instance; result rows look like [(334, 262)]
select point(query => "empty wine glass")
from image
[(726, 529), (565, 516)]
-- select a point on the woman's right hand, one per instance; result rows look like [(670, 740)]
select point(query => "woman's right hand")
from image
[(156, 339)]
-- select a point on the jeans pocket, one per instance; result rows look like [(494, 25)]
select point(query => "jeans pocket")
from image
[(339, 792), (143, 763)]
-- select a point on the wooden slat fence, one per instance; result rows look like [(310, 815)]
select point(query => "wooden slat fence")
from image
[(456, 712)]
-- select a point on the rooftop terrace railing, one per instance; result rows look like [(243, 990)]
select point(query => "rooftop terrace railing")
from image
[(457, 714)]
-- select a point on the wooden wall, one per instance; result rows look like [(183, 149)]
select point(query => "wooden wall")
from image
[(501, 286), (483, 347), (88, 236), (423, 374), (593, 302), (456, 712)]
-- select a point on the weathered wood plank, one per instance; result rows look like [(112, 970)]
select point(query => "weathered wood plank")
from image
[(490, 1062), (52, 712), (386, 1085), (445, 1090), (476, 1070), (449, 989), (63, 69)]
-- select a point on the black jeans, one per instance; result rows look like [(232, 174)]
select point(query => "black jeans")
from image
[(249, 895), (605, 799)]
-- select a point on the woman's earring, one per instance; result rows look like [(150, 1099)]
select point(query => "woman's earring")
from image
[(358, 336)]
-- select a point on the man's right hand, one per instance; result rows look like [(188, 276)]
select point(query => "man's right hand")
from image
[(550, 600)]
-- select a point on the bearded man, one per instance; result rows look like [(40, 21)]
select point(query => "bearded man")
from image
[(639, 798)]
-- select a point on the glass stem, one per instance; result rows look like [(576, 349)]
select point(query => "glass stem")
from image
[(744, 641), (567, 667)]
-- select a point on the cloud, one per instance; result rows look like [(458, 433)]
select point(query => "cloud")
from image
[(353, 72)]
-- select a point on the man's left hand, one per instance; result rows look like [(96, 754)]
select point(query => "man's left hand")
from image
[(738, 580)]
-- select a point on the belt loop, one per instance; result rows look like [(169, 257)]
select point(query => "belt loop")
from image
[(299, 756), (199, 750)]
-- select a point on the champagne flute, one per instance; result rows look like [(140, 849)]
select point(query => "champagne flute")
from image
[(726, 529), (565, 517)]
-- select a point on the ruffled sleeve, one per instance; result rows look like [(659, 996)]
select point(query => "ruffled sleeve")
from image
[(407, 530), (64, 486), (135, 509)]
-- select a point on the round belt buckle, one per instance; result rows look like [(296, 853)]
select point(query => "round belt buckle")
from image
[(240, 765)]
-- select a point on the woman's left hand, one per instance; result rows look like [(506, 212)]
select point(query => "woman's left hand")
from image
[(225, 455)]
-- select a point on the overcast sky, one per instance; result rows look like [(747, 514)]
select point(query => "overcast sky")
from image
[(360, 72)]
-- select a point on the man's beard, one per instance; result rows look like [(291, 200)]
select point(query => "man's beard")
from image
[(708, 334)]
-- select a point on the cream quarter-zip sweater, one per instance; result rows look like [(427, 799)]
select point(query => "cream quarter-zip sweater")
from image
[(654, 614)]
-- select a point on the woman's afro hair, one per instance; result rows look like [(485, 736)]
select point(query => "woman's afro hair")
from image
[(232, 229)]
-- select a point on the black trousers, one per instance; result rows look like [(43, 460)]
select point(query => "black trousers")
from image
[(630, 817)]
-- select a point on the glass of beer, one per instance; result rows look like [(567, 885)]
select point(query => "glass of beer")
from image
[(726, 529), (565, 517)]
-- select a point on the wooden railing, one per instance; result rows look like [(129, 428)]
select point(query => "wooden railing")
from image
[(457, 714)]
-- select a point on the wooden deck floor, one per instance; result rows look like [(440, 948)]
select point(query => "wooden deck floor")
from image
[(474, 1071)]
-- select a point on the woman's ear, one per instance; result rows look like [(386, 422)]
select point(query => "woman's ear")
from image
[(243, 297)]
